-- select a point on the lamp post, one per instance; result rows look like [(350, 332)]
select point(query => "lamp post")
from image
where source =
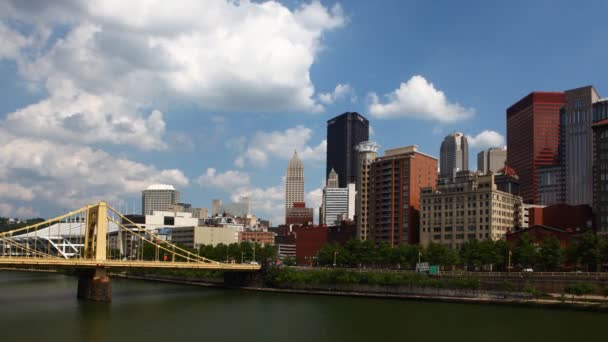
[(335, 254), (509, 266)]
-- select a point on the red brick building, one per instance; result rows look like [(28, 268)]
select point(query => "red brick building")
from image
[(263, 238), (562, 216), (538, 233), (395, 183), (299, 214), (533, 138)]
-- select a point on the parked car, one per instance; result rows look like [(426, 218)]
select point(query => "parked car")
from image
[(527, 270)]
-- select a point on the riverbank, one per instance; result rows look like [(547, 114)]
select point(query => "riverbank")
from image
[(418, 288)]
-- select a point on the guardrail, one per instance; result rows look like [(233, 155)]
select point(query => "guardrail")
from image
[(468, 273)]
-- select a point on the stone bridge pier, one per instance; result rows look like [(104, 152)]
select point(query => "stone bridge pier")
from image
[(94, 285)]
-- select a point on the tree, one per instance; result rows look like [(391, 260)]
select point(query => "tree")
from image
[(470, 253), (438, 254), (525, 253), (551, 254), (588, 250), (503, 249)]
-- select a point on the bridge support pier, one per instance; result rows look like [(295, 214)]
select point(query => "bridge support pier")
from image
[(94, 285)]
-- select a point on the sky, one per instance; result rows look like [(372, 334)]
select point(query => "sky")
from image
[(100, 100)]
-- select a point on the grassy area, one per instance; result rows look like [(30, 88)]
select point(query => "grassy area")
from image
[(282, 277), (181, 273)]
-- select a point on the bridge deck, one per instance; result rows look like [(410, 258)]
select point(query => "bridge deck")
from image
[(125, 264)]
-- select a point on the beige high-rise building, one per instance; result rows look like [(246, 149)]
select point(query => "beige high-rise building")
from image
[(466, 208), (158, 197), (332, 179), (491, 160), (368, 152), (215, 206), (294, 182)]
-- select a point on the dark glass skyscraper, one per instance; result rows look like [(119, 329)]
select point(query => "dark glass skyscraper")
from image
[(344, 132)]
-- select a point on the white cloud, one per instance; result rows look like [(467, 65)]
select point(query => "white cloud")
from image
[(268, 203), (418, 98), (72, 175), (314, 198), (486, 139), (72, 115), (340, 93), (227, 180), (281, 144), (16, 191), (223, 55), (12, 42)]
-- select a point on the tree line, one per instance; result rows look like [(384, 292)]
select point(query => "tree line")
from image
[(588, 253), (235, 252)]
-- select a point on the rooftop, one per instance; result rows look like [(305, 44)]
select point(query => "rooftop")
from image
[(160, 187)]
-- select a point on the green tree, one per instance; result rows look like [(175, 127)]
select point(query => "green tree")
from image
[(525, 253), (550, 253), (588, 251), (470, 253), (438, 254), (502, 254)]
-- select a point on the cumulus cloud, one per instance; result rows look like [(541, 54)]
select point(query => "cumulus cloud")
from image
[(339, 94), (486, 139), (9, 210), (417, 98), (73, 175), (223, 55), (266, 202), (227, 180), (282, 144)]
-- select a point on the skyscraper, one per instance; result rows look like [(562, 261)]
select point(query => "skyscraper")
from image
[(344, 132), (332, 179), (294, 182), (454, 155), (159, 197), (368, 152), (578, 144), (491, 160), (215, 206), (396, 180), (600, 165), (533, 138), (338, 202)]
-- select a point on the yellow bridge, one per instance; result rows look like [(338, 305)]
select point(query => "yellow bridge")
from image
[(94, 239)]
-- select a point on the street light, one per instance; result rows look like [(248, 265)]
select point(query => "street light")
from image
[(509, 267), (335, 254)]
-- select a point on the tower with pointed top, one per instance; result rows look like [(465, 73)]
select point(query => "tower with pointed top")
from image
[(332, 179), (294, 182)]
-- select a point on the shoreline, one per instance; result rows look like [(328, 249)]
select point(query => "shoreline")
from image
[(553, 304)]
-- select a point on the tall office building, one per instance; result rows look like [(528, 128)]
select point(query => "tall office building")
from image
[(294, 182), (338, 203), (344, 132), (158, 197), (215, 207), (368, 152), (454, 155), (533, 138), (578, 144), (491, 160), (396, 180), (240, 208), (600, 165), (332, 179)]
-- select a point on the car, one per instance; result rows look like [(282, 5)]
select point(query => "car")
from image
[(254, 263), (527, 270)]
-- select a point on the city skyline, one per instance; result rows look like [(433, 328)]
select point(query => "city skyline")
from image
[(170, 129)]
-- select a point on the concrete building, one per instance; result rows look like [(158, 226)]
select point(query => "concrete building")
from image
[(194, 237), (524, 215), (200, 213), (491, 160), (396, 180), (466, 208), (344, 132), (158, 197), (368, 152), (166, 219), (215, 207), (454, 155), (551, 185), (294, 183), (533, 138), (577, 118), (600, 166), (333, 179), (240, 208), (338, 202)]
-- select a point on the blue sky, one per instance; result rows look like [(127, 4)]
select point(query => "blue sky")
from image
[(99, 101)]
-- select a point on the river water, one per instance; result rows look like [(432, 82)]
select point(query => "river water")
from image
[(43, 307)]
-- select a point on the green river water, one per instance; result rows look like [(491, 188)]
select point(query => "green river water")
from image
[(43, 307)]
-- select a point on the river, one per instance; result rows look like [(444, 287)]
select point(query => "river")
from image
[(43, 307)]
